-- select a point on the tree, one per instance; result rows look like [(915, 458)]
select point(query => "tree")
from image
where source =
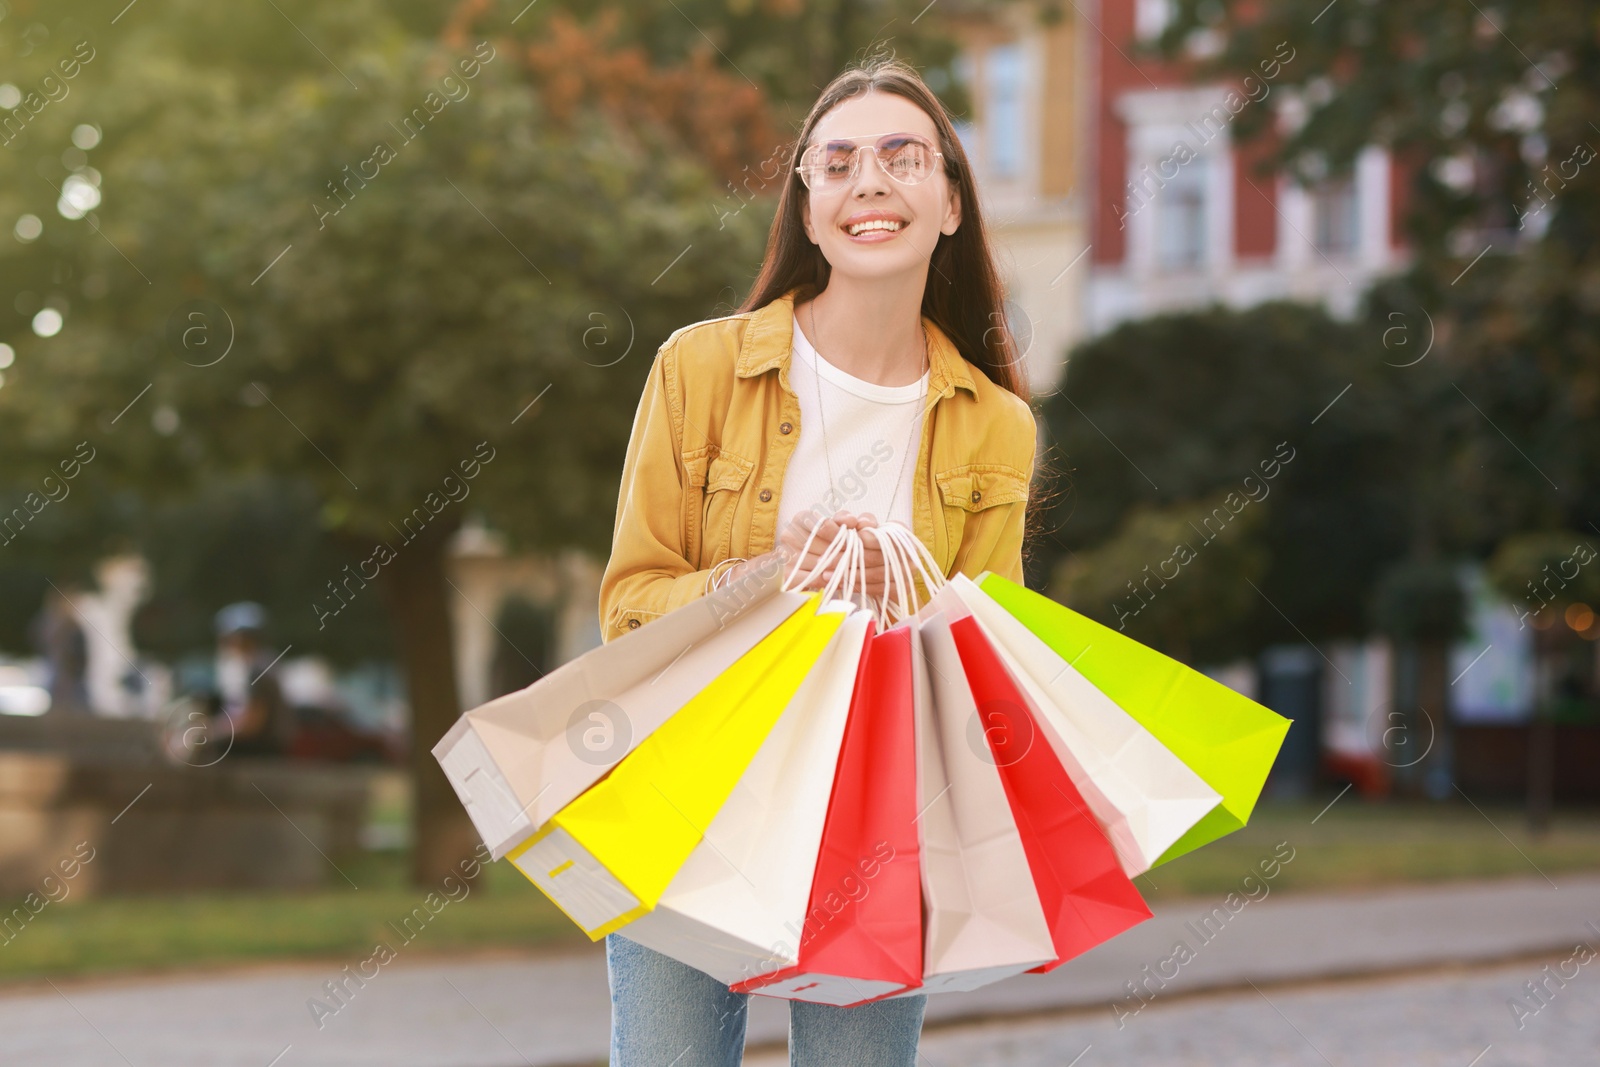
[(1279, 416), (415, 260), (437, 299), (1490, 110)]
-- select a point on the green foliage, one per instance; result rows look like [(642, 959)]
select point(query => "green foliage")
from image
[(1547, 568), (497, 288), (1300, 419), (258, 539), (1490, 111), (1169, 573), (1420, 601)]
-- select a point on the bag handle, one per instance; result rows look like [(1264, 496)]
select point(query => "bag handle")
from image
[(843, 584), (835, 547), (898, 587), (909, 552)]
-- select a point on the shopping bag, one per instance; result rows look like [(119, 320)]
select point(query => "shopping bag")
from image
[(1087, 897), (1228, 739), (733, 908), (518, 759), (606, 858), (1144, 797), (982, 913), (862, 935)]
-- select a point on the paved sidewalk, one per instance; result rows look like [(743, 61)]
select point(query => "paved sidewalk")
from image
[(1441, 1018), (554, 1010)]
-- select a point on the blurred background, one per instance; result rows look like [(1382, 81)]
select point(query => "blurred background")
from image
[(324, 326)]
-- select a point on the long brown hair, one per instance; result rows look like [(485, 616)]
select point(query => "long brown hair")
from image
[(971, 312)]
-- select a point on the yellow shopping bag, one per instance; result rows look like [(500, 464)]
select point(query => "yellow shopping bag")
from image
[(607, 857)]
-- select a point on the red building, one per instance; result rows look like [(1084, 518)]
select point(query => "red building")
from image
[(1180, 215)]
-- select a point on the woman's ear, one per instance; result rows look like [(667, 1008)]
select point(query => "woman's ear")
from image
[(805, 217), (952, 215)]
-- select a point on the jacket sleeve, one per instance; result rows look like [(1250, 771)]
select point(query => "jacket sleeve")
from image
[(647, 574), (1006, 557)]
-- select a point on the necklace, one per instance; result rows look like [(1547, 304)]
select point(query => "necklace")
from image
[(894, 494)]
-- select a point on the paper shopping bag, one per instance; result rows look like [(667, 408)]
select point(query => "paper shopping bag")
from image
[(1226, 738), (733, 908), (1144, 797), (1087, 897), (862, 935), (518, 759), (983, 918), (606, 858)]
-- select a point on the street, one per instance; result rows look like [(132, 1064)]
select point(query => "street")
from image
[(1447, 1018)]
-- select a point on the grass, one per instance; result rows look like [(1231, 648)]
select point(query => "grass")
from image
[(147, 932), (1360, 845), (1353, 845)]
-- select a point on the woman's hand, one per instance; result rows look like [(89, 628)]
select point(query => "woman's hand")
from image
[(790, 542), (877, 572), (793, 539)]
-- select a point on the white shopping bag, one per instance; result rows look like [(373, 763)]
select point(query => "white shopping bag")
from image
[(518, 759), (984, 921), (1142, 795), (736, 908)]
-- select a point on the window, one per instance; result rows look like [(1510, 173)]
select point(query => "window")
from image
[(1004, 78), (1336, 228), (1181, 218), (1150, 17)]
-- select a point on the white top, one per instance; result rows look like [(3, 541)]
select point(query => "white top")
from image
[(872, 431)]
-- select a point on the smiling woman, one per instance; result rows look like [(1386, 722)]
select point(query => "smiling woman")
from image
[(870, 364)]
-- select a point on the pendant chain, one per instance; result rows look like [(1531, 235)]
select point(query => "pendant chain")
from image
[(826, 455)]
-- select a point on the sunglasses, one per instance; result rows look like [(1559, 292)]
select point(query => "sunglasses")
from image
[(908, 158)]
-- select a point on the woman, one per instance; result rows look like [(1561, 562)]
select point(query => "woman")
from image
[(876, 319)]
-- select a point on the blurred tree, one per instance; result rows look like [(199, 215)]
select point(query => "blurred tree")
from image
[(254, 538), (1284, 417), (1490, 110), (1150, 566), (399, 257), (419, 296)]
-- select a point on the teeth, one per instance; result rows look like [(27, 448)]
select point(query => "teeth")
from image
[(875, 224)]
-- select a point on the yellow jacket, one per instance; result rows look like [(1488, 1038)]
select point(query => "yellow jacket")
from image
[(715, 428)]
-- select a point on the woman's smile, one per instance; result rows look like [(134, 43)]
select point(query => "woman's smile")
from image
[(872, 227)]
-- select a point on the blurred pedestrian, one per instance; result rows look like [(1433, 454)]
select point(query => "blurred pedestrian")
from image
[(58, 636), (258, 717)]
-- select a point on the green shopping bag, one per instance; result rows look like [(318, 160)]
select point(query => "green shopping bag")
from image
[(1227, 739)]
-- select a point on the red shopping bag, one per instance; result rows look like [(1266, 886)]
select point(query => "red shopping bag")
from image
[(1086, 896), (862, 936)]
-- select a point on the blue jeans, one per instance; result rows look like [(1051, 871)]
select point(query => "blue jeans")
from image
[(665, 1013)]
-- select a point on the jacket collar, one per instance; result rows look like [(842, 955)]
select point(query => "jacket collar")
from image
[(770, 331)]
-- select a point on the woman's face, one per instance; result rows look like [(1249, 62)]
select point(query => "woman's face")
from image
[(922, 211)]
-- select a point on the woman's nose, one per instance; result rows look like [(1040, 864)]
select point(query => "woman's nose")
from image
[(869, 179)]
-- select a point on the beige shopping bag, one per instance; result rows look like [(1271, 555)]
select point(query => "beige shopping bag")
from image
[(522, 757)]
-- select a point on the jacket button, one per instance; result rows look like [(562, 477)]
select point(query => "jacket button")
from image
[(633, 624), (976, 496), (765, 494), (784, 427)]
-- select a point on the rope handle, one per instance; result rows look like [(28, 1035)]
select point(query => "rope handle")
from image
[(910, 553)]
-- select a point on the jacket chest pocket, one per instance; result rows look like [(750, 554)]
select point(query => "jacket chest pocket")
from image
[(719, 478), (969, 491)]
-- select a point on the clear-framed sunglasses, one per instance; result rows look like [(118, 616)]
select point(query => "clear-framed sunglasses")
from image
[(908, 158)]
